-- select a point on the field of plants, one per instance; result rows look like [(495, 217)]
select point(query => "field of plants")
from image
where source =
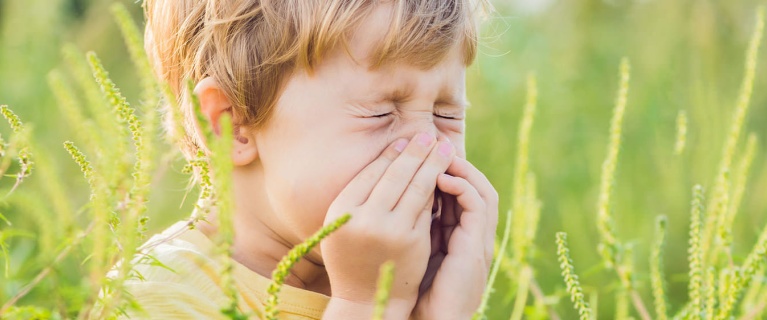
[(625, 137)]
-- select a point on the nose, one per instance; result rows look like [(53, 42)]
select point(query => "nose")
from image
[(411, 127)]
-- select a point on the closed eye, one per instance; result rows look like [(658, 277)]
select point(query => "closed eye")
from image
[(446, 117), (383, 115)]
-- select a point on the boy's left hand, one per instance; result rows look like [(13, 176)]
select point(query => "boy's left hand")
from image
[(462, 245)]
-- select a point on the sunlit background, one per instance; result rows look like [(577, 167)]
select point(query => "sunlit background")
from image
[(685, 55)]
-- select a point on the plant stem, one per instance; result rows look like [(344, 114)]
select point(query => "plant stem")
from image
[(40, 276), (636, 299), (522, 289), (535, 289)]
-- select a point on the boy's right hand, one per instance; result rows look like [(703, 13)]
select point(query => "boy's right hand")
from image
[(390, 202)]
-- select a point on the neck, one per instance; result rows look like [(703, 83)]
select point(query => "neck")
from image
[(258, 241)]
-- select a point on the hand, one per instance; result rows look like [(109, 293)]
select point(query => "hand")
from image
[(462, 245), (390, 202)]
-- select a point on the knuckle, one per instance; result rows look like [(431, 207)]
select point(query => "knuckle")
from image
[(492, 198), (341, 206), (434, 155), (493, 227), (363, 233), (394, 176), (420, 152), (419, 189), (368, 175), (376, 231), (464, 184), (411, 240), (413, 158), (389, 155), (482, 209)]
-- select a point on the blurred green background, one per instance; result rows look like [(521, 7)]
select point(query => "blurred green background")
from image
[(685, 55)]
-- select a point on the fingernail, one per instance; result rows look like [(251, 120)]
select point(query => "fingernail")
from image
[(424, 139), (400, 145), (445, 149)]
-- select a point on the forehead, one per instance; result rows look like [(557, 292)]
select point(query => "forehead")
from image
[(398, 76), (386, 35)]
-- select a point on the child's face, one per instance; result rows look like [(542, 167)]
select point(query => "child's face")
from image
[(323, 130)]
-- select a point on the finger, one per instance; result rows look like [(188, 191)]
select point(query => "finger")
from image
[(421, 188), (464, 169), (358, 190), (474, 216), (436, 236), (398, 175), (424, 220)]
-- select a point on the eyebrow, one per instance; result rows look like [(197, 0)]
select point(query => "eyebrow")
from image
[(463, 103), (446, 97), (405, 92), (400, 92)]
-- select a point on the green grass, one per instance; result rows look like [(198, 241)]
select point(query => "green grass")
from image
[(546, 127)]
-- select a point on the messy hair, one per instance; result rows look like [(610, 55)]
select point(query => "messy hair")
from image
[(250, 47)]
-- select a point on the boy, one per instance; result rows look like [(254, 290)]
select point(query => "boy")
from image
[(338, 106)]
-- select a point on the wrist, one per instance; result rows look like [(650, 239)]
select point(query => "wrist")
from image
[(340, 308), (427, 311)]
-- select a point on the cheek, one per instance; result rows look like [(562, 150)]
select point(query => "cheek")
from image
[(311, 187), (458, 141), (460, 148)]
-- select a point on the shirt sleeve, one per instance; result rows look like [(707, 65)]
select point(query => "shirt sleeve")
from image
[(161, 300)]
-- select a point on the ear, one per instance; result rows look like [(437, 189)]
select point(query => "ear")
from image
[(214, 103)]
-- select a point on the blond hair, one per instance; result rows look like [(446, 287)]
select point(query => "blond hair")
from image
[(250, 46)]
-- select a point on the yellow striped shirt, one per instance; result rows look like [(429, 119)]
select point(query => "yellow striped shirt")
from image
[(193, 289)]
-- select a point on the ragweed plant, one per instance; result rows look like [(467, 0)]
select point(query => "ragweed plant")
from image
[(742, 276), (521, 171), (696, 254), (19, 147), (719, 203), (656, 269), (609, 246), (614, 254), (221, 148), (710, 291), (294, 255), (385, 279), (480, 314), (24, 156), (93, 99), (709, 231), (113, 145), (740, 179), (87, 135), (80, 159), (135, 45), (134, 203), (521, 226), (571, 279)]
